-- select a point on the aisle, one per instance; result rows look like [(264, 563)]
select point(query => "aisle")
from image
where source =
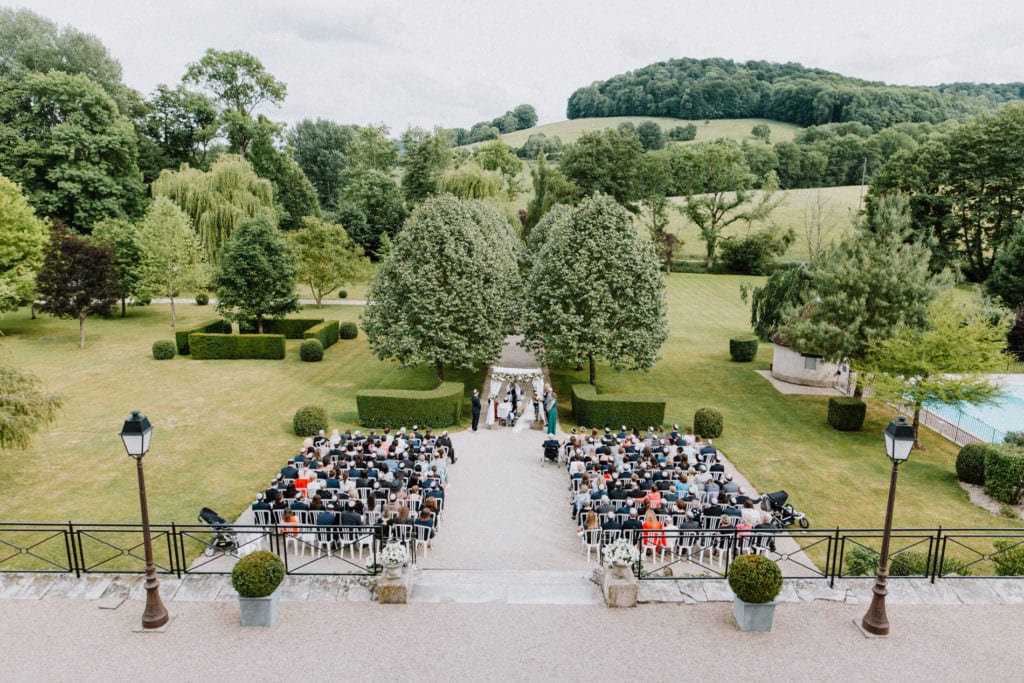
[(504, 509)]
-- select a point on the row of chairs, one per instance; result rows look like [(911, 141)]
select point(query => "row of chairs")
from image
[(695, 545)]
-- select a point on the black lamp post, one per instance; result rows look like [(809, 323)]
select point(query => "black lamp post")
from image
[(899, 440), (136, 434)]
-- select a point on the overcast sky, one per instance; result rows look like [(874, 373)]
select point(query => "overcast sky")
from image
[(456, 62)]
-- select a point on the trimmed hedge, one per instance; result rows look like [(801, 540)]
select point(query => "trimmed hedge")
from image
[(291, 328), (163, 349), (311, 351), (232, 346), (846, 414), (755, 578), (633, 410), (438, 407), (309, 420), (348, 330), (258, 574), (1004, 474), (326, 332), (202, 298), (216, 326), (970, 463), (743, 348), (709, 423)]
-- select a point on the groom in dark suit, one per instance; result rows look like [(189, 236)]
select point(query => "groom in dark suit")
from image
[(476, 409)]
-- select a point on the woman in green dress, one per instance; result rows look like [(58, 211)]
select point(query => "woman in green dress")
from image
[(552, 413)]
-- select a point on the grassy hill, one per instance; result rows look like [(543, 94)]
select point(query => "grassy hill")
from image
[(736, 129)]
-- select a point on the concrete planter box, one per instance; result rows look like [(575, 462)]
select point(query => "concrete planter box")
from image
[(754, 616), (260, 611)]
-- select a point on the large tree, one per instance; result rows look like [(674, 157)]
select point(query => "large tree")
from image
[(64, 141), (1007, 278), (25, 408), (22, 239), (864, 289), (294, 195), (946, 361), (655, 184), (218, 200), (326, 257), (321, 150), (496, 156), (594, 292), (123, 236), (177, 128), (255, 280), (77, 280), (443, 294), (607, 161), (371, 208), (550, 187), (426, 156), (173, 257), (238, 83)]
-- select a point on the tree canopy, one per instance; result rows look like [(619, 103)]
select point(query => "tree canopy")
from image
[(606, 161), (326, 257), (22, 239), (25, 408), (443, 295), (426, 157), (173, 257)]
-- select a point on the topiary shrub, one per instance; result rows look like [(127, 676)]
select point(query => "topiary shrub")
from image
[(970, 463), (846, 414), (311, 351), (215, 326), (326, 332), (1009, 558), (232, 346), (258, 574), (743, 348), (1004, 474), (755, 578), (708, 423), (309, 420), (342, 294), (348, 330), (202, 298), (163, 349)]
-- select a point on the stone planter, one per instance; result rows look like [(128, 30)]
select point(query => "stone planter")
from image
[(260, 611), (753, 616), (394, 585), (621, 570), (392, 571), (619, 586)]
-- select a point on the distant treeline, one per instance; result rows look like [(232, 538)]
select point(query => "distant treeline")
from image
[(724, 89)]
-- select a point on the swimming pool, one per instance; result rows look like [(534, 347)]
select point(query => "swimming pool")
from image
[(990, 423)]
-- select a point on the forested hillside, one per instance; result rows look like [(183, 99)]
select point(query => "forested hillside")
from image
[(724, 89)]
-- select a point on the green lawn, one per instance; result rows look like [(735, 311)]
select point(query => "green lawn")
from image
[(735, 129)]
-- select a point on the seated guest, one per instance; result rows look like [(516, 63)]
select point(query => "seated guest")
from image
[(289, 471), (289, 524), (299, 503), (426, 519), (653, 536), (632, 526)]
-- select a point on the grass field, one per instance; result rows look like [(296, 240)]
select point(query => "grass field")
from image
[(735, 129), (839, 207)]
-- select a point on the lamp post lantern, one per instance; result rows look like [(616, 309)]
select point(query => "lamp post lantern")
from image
[(899, 441), (135, 434)]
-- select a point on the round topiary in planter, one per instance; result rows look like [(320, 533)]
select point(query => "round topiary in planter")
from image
[(309, 420), (202, 298), (163, 349), (708, 422), (342, 294), (756, 581), (970, 463), (743, 348), (846, 414), (348, 330), (257, 577), (311, 351)]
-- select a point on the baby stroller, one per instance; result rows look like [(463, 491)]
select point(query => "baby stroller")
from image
[(224, 539), (783, 515), (551, 447)]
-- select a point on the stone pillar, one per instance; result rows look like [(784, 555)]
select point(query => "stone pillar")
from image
[(394, 590), (619, 587)]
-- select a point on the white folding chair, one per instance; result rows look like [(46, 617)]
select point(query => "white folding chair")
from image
[(591, 539)]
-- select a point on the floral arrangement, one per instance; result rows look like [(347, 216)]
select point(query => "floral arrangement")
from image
[(620, 551), (516, 378), (394, 553)]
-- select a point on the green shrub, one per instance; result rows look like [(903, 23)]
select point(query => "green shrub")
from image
[(438, 407), (163, 349), (743, 348), (348, 330), (861, 561), (634, 410), (709, 423), (846, 414), (258, 574), (202, 298), (215, 326), (309, 420), (342, 294), (326, 332), (1004, 474), (755, 578), (1009, 558), (291, 328), (232, 346), (1014, 439), (311, 351), (143, 300), (970, 463)]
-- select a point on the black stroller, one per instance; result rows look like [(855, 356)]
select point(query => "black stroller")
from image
[(551, 447), (224, 540), (783, 514)]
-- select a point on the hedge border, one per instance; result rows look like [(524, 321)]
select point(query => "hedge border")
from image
[(440, 407), (326, 332), (210, 326), (237, 346), (291, 328), (600, 410)]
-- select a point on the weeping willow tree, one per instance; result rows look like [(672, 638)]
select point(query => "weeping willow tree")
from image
[(24, 408), (471, 181), (218, 200)]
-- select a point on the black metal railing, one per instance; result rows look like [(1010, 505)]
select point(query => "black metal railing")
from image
[(181, 549)]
